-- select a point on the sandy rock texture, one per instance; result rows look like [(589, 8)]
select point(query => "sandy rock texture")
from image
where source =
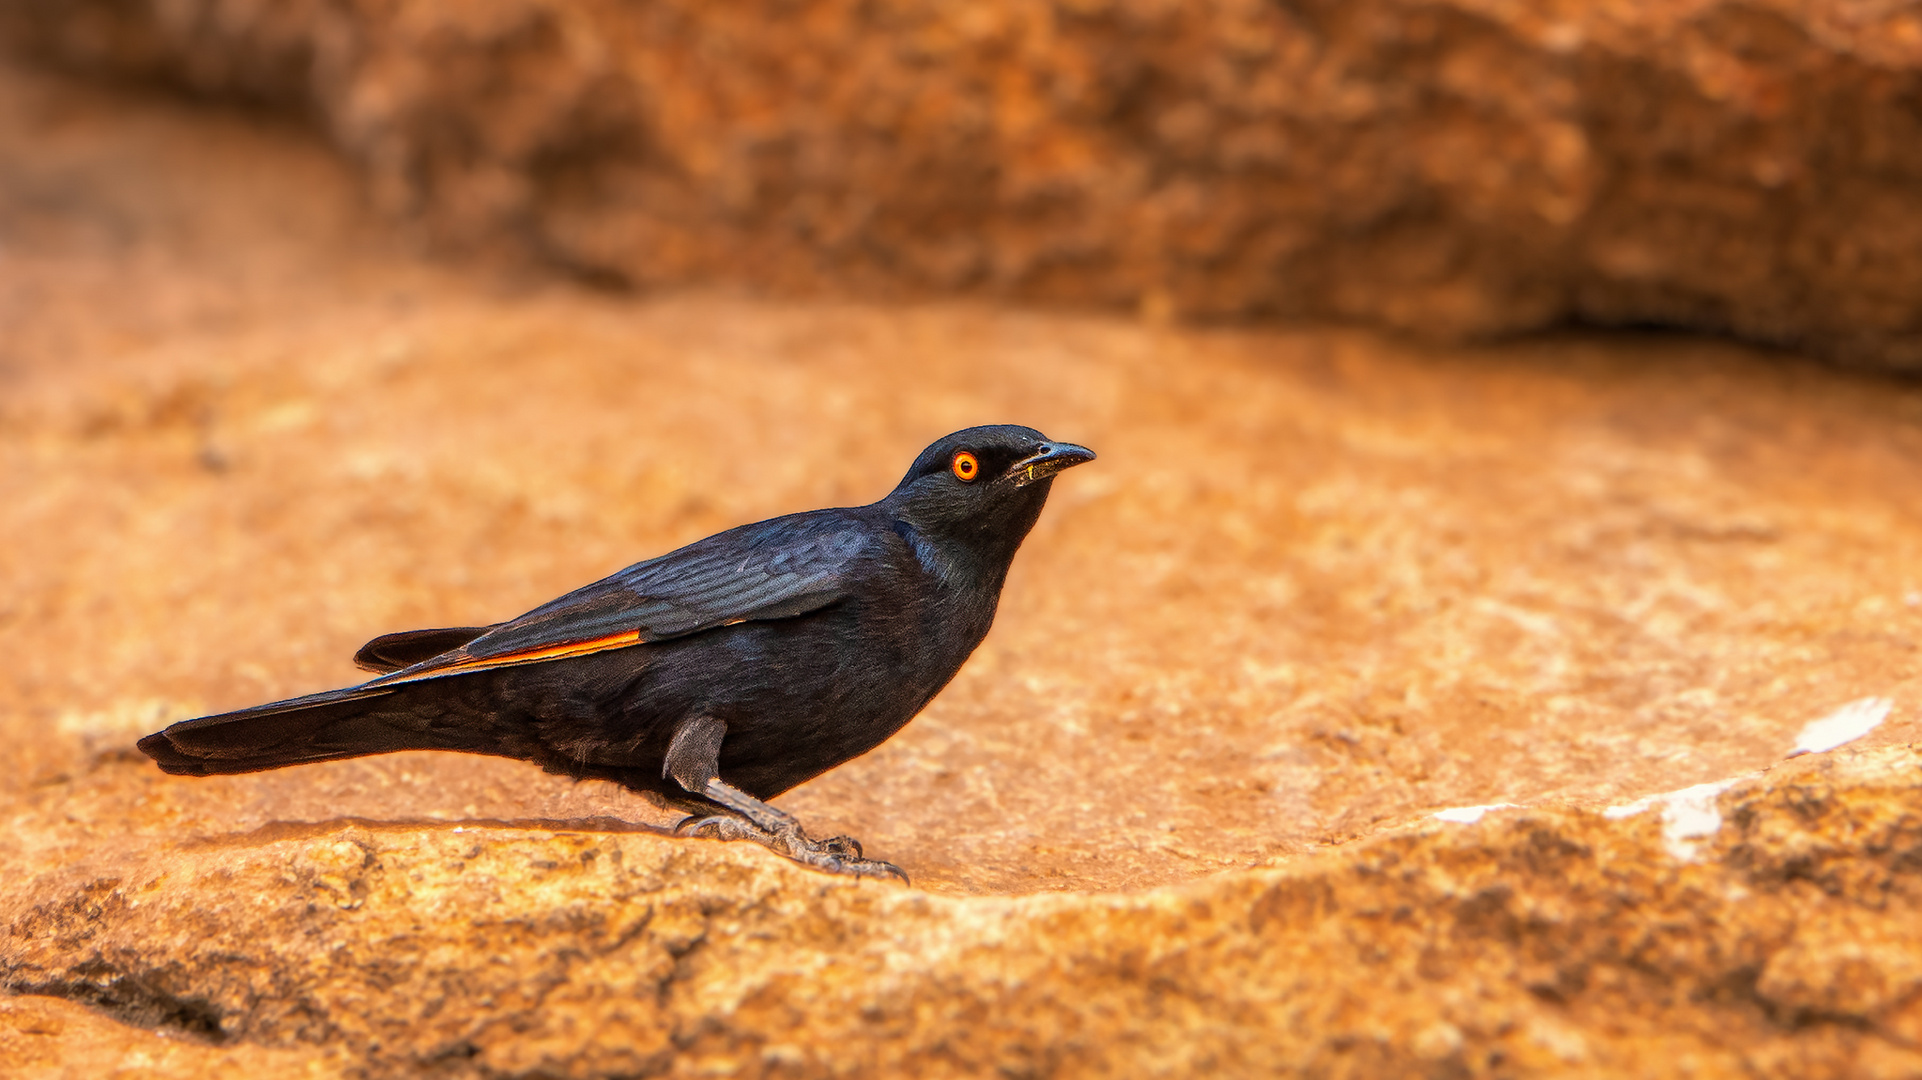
[(1175, 816), (1444, 166), (1533, 943)]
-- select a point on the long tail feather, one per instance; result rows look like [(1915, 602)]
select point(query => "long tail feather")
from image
[(319, 727)]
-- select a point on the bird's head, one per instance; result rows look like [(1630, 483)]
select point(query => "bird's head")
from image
[(983, 486)]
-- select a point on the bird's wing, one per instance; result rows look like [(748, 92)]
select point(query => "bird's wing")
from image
[(772, 570), (391, 652)]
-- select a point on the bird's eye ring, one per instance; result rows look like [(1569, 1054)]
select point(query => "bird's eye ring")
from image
[(966, 467)]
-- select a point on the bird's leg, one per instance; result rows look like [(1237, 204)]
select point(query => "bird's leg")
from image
[(693, 761), (749, 818)]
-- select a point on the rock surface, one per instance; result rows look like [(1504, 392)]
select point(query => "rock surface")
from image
[(1444, 166), (1534, 943), (1173, 817)]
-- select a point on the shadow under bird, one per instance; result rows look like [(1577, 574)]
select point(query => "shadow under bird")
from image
[(714, 677)]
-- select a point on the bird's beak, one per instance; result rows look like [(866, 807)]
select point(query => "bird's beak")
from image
[(1045, 462)]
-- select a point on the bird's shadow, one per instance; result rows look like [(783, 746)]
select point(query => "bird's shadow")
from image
[(275, 831)]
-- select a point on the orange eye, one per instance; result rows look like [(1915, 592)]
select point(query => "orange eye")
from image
[(966, 467)]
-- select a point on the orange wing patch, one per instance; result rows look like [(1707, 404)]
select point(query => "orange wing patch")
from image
[(526, 656)]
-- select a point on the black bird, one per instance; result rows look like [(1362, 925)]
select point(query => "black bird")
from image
[(714, 677)]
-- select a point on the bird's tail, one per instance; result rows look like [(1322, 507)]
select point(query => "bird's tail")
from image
[(319, 727)]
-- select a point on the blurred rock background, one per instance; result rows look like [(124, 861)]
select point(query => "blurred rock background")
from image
[(1449, 168), (320, 320)]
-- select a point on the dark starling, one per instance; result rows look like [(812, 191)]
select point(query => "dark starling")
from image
[(714, 677)]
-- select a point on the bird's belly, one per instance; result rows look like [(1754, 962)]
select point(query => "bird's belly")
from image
[(800, 697)]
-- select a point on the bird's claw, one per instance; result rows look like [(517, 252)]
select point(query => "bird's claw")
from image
[(834, 855), (840, 845), (852, 867), (714, 827)]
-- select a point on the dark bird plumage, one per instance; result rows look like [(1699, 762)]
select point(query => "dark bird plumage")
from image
[(714, 677)]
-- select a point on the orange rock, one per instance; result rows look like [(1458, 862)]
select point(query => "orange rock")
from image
[(50, 1038), (1175, 816), (1533, 942), (1453, 167)]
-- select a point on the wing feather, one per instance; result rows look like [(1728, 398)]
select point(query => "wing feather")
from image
[(771, 570)]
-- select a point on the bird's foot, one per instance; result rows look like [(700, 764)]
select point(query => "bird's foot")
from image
[(783, 836)]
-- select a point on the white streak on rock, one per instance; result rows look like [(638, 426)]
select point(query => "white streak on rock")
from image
[(1844, 725), (1468, 815), (1688, 815)]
